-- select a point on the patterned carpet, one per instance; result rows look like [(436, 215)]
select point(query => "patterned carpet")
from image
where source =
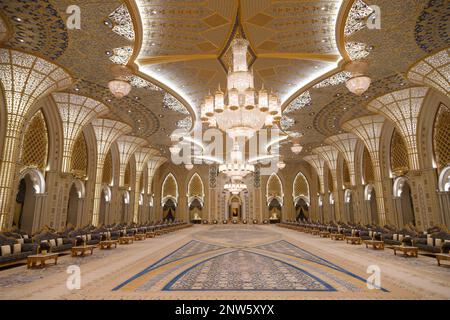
[(241, 262), (248, 260)]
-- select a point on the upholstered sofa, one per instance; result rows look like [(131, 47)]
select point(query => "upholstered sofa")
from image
[(433, 243), (13, 249), (58, 242)]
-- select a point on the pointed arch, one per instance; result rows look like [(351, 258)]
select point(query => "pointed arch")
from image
[(169, 189), (35, 145), (300, 188), (274, 189), (196, 189)]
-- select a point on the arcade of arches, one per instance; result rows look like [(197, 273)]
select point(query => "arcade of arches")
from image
[(75, 155)]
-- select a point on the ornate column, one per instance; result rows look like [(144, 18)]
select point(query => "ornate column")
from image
[(141, 156), (402, 108), (39, 220), (368, 129), (25, 78), (330, 155), (106, 132), (152, 166), (319, 165), (76, 112), (213, 194)]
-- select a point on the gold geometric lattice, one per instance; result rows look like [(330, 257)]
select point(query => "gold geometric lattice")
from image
[(441, 137), (127, 175), (301, 186), (79, 157), (399, 154), (369, 175), (107, 169), (170, 187), (274, 187), (35, 143), (195, 187), (346, 174), (330, 181)]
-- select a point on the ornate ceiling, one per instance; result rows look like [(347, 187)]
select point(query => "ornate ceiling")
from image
[(178, 51)]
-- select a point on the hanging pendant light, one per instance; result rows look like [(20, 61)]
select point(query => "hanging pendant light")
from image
[(358, 83), (120, 87), (281, 165)]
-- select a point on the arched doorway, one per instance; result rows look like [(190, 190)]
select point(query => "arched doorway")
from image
[(348, 206), (74, 206), (235, 208), (195, 211), (105, 199), (28, 205), (403, 202), (169, 210), (320, 216), (301, 209), (371, 204), (274, 210)]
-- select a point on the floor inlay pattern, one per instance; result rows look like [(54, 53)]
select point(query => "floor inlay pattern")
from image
[(232, 262), (243, 270)]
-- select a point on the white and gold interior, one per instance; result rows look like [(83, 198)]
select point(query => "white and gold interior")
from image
[(62, 129)]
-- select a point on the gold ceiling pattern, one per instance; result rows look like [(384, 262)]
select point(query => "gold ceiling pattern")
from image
[(184, 43), (180, 47)]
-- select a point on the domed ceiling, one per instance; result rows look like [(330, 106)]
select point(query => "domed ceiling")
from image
[(179, 50)]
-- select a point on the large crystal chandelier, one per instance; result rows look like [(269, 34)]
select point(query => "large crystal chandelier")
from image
[(242, 111)]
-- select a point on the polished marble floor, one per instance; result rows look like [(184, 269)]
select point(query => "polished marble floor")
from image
[(233, 262)]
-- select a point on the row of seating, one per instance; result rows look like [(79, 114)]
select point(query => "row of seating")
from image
[(433, 240), (18, 245)]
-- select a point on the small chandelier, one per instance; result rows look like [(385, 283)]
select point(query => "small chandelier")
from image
[(120, 87), (358, 83), (281, 165), (237, 169), (296, 148), (235, 188), (175, 149), (241, 111)]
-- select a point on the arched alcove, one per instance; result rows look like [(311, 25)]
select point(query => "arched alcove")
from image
[(370, 200), (105, 199), (274, 189), (74, 206), (403, 202), (348, 206), (300, 189), (169, 190), (27, 213)]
